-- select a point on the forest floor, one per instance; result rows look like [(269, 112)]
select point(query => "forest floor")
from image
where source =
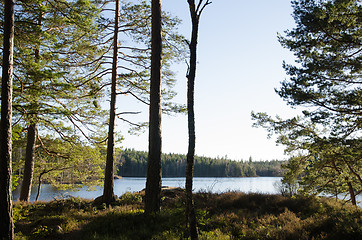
[(231, 215)]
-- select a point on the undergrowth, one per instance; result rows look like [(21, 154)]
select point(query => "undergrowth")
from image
[(230, 215)]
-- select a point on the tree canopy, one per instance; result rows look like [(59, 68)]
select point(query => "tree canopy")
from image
[(61, 69), (327, 75), (325, 142)]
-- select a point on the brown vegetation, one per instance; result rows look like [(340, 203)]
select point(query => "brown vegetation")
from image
[(230, 215)]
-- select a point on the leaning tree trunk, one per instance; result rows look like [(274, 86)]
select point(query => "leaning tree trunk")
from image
[(108, 191), (6, 215), (29, 164), (351, 192), (154, 170), (39, 184), (39, 187)]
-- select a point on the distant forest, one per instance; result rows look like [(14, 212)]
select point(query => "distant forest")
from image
[(133, 163)]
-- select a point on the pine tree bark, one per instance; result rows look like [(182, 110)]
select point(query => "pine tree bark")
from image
[(6, 215), (25, 190), (154, 170), (108, 191)]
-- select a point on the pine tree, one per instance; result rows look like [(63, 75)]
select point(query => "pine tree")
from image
[(326, 78), (54, 49)]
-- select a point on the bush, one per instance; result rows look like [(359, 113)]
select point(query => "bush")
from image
[(130, 198)]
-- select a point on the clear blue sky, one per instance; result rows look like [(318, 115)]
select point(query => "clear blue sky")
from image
[(239, 65)]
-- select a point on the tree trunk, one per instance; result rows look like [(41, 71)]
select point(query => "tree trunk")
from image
[(154, 170), (191, 75), (32, 134), (29, 164), (6, 215), (190, 210), (39, 185), (351, 193), (108, 191), (38, 192)]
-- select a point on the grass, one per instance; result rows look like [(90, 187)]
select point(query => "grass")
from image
[(230, 215)]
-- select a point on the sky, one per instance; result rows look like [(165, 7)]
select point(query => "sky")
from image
[(239, 66)]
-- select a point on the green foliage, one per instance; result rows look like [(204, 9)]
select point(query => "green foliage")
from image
[(15, 181), (62, 164), (40, 232), (54, 49), (20, 213), (134, 164), (16, 132), (287, 187), (318, 164), (324, 143), (326, 43), (130, 198)]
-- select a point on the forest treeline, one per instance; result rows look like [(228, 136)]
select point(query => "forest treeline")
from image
[(133, 163), (81, 164)]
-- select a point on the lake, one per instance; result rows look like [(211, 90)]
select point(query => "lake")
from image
[(128, 184)]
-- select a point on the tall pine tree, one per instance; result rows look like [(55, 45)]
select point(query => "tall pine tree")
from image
[(326, 79), (55, 72)]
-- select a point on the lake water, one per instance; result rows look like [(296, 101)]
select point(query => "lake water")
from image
[(127, 184)]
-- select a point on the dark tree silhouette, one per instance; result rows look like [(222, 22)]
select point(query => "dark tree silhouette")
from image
[(154, 170), (195, 12), (6, 216)]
